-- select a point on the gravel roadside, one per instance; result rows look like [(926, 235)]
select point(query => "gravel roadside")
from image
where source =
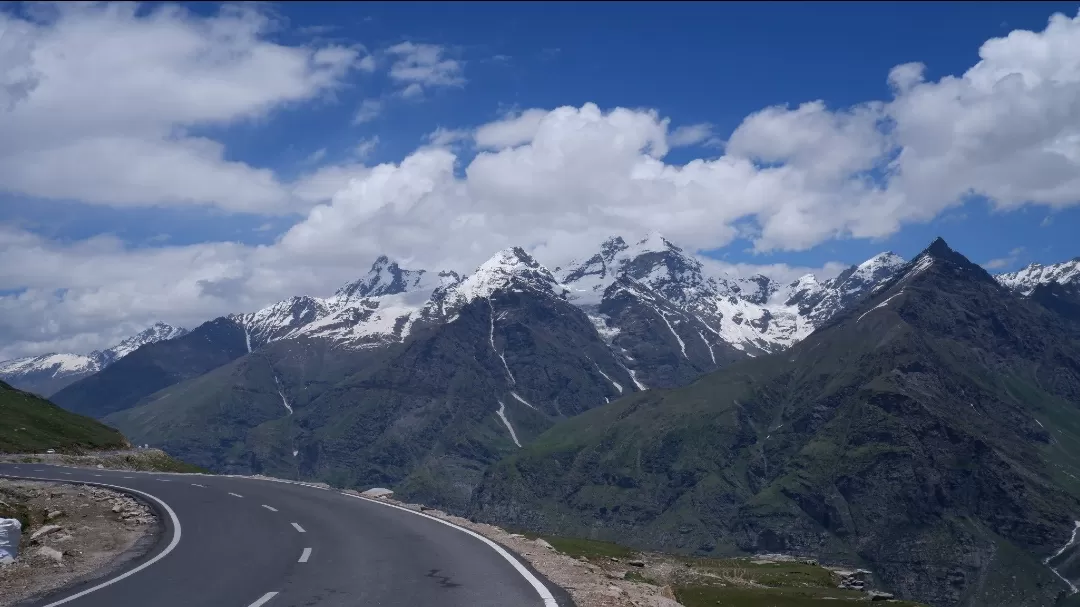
[(70, 533)]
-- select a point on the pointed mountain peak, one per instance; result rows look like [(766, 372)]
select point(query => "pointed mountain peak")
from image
[(510, 267), (940, 248), (384, 278), (939, 251), (159, 331), (510, 260), (887, 258), (937, 261), (653, 242)]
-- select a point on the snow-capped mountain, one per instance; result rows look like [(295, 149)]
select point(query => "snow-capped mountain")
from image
[(666, 318), (717, 315), (48, 373), (1025, 280), (158, 332), (383, 306), (818, 302)]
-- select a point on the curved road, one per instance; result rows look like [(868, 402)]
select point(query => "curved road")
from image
[(243, 542)]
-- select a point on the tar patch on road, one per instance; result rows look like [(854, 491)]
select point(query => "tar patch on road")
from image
[(444, 581)]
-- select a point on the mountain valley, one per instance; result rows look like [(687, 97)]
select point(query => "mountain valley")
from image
[(914, 418)]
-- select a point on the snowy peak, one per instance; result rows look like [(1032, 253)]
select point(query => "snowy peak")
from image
[(158, 332), (511, 268), (653, 260), (281, 319), (56, 365), (48, 373), (653, 242), (877, 268), (384, 278), (1026, 279)]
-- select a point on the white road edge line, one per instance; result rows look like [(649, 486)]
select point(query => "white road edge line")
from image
[(299, 528), (264, 599), (158, 557), (305, 556), (541, 589), (235, 494), (270, 508)]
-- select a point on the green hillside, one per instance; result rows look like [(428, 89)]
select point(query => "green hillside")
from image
[(30, 424), (931, 435)]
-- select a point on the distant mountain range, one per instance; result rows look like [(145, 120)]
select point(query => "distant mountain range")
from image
[(745, 414), (646, 299), (48, 373)]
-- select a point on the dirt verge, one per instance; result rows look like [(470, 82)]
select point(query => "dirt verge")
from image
[(70, 533)]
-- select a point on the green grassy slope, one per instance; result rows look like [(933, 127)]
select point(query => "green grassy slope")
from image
[(29, 424), (935, 440)]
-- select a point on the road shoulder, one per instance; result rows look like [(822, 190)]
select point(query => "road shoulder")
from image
[(72, 534)]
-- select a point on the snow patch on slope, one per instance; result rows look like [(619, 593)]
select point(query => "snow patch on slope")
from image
[(281, 393), (59, 364), (882, 304), (522, 400), (506, 422)]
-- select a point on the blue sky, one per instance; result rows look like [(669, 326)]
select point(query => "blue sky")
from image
[(694, 62), (244, 203)]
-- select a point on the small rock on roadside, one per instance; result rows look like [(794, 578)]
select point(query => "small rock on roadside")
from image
[(54, 514), (636, 563), (381, 492), (543, 543), (46, 530), (877, 595), (51, 553)]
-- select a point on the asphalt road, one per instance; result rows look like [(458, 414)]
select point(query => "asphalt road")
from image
[(240, 542)]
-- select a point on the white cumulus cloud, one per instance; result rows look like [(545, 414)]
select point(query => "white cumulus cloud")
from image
[(556, 181), (98, 98)]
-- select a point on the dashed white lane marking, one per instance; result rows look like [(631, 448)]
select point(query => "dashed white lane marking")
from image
[(67, 473), (198, 485), (299, 528), (305, 556), (235, 494), (129, 477), (172, 545), (98, 475), (264, 599), (270, 508), (164, 480)]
